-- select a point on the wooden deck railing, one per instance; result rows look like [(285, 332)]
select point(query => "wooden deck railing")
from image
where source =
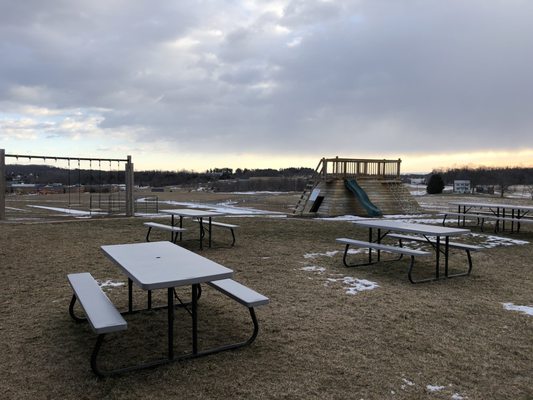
[(349, 167)]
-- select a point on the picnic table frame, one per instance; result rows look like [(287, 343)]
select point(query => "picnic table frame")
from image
[(194, 213), (497, 209), (163, 265), (385, 226)]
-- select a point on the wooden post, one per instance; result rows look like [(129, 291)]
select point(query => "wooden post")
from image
[(2, 184), (398, 168), (130, 209)]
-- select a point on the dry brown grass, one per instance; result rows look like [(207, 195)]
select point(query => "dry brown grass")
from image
[(315, 340)]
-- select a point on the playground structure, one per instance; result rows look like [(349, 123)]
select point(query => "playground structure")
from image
[(115, 200), (362, 187)]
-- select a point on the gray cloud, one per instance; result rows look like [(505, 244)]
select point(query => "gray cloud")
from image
[(322, 77)]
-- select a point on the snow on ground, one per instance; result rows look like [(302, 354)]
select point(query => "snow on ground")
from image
[(523, 309), (326, 254), (314, 268), (334, 252), (350, 284), (225, 208), (353, 285), (418, 218), (435, 388), (16, 209), (70, 211), (259, 192), (109, 283), (491, 241)]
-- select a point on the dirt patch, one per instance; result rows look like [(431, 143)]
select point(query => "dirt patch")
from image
[(319, 337)]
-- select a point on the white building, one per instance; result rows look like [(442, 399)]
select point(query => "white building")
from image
[(461, 186)]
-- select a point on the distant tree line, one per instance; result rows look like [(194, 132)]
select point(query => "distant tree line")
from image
[(45, 174), (503, 178)]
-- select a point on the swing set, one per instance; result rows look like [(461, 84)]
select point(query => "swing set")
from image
[(103, 196)]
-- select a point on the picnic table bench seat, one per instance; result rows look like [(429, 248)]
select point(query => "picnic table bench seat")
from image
[(155, 225), (102, 315), (382, 247), (245, 296)]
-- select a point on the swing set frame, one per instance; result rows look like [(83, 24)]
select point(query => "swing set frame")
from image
[(129, 172)]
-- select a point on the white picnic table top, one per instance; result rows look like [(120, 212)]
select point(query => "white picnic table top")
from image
[(194, 213), (158, 265), (491, 205), (409, 227)]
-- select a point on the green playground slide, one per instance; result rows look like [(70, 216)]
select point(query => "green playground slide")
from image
[(360, 194)]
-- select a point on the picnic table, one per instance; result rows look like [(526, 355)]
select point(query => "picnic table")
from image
[(513, 213), (437, 236), (151, 266), (196, 214)]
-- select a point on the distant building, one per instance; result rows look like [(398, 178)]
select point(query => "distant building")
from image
[(23, 188), (461, 186), (418, 181), (488, 189)]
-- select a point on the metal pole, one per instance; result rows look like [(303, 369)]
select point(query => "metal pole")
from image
[(2, 184), (130, 211)]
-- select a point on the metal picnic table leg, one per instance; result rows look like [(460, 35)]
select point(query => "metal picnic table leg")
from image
[(170, 311), (437, 257), (209, 232), (130, 295), (369, 250), (200, 219), (446, 251), (379, 241), (171, 232), (194, 319)]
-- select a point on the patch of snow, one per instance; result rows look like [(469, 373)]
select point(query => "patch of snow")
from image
[(314, 268), (258, 192), (16, 209), (326, 254), (434, 388), (408, 382), (69, 211), (491, 241), (355, 285), (110, 283), (223, 208), (227, 203), (524, 309), (457, 396), (343, 218)]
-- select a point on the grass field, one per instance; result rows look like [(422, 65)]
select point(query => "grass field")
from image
[(323, 336)]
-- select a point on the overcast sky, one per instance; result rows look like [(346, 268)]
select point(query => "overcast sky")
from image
[(194, 84)]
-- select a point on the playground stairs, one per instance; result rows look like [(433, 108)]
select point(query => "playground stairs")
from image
[(304, 198)]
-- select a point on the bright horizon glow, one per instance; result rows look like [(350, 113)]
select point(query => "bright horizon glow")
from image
[(200, 162), (411, 163)]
